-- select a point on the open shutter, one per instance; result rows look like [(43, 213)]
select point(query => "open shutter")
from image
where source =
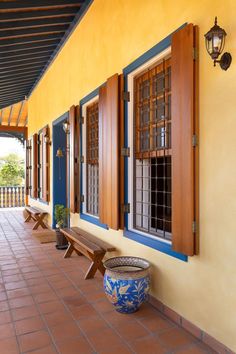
[(74, 158), (28, 167), (45, 166), (108, 153), (183, 131), (122, 144), (34, 170)]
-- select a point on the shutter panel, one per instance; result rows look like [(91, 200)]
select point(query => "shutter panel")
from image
[(108, 153), (183, 128), (74, 158), (45, 165), (28, 167), (34, 170)]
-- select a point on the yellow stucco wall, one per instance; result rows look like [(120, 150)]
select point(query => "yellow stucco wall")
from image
[(111, 35)]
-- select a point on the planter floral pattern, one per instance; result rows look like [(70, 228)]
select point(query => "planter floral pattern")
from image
[(127, 290)]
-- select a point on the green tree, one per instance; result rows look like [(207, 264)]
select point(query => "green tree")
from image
[(11, 170)]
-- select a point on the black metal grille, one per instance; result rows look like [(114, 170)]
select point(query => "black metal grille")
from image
[(92, 164), (152, 150)]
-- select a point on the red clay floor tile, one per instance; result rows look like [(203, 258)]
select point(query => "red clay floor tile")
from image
[(35, 340)]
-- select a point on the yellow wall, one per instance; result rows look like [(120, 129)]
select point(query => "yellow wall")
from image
[(111, 35)]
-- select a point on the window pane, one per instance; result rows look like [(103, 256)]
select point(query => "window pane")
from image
[(92, 164), (152, 151)]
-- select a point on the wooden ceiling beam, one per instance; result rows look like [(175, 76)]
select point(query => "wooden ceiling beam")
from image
[(38, 14), (13, 94), (27, 63), (25, 54), (21, 24), (25, 48), (28, 40), (1, 115), (24, 5), (31, 82), (12, 129), (8, 89), (19, 78), (20, 112), (5, 73), (39, 31), (28, 59), (10, 115)]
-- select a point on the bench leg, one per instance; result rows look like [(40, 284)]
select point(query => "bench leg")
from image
[(39, 222), (96, 265), (28, 218), (69, 251)]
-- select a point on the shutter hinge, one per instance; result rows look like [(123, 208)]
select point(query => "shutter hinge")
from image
[(82, 198), (194, 227), (81, 120), (125, 152), (125, 208), (126, 96), (194, 140), (195, 53), (81, 159)]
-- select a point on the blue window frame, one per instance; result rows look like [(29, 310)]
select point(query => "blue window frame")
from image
[(145, 239), (83, 215)]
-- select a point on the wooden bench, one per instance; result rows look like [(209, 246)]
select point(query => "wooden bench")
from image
[(90, 246), (37, 215)]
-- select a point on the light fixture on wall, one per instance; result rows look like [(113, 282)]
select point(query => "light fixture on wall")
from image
[(47, 139), (215, 41), (59, 154), (66, 127)]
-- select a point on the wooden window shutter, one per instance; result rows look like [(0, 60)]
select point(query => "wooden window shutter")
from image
[(74, 115), (45, 165), (109, 153), (34, 170), (183, 87), (28, 167)]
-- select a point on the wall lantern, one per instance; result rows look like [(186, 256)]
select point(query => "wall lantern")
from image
[(66, 127), (215, 41), (47, 139), (59, 154)]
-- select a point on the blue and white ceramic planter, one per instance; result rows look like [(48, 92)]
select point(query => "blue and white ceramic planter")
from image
[(127, 282)]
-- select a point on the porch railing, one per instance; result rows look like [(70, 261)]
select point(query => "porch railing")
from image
[(11, 197)]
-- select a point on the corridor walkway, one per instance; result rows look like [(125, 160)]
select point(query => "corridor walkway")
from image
[(47, 307)]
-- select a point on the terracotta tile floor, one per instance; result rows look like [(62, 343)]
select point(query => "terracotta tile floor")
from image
[(47, 307)]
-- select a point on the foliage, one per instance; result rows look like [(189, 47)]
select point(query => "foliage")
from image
[(11, 170), (61, 215)]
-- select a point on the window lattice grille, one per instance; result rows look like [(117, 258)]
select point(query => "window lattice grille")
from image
[(152, 151), (92, 164)]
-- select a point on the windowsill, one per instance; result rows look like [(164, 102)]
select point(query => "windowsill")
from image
[(42, 201), (93, 220), (157, 244)]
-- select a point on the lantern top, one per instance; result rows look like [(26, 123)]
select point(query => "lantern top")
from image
[(216, 30)]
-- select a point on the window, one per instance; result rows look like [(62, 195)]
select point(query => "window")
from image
[(92, 164), (161, 171), (152, 150), (40, 165), (90, 152)]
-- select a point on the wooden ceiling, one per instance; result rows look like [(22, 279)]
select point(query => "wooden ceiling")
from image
[(31, 34), (15, 115)]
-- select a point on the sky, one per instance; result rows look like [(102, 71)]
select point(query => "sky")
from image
[(11, 145)]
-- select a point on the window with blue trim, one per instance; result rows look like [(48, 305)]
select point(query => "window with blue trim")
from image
[(160, 130), (150, 162)]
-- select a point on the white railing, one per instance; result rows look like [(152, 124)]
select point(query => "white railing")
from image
[(12, 197)]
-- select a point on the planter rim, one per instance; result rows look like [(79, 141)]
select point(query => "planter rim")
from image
[(114, 262)]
